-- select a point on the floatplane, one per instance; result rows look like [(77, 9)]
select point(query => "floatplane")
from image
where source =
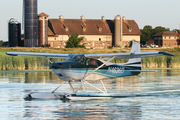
[(91, 67)]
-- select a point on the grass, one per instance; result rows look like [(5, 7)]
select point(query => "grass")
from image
[(38, 63)]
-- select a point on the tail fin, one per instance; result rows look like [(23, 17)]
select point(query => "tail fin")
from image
[(135, 62)]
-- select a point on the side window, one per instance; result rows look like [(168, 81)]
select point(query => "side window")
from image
[(99, 63), (87, 62), (91, 62)]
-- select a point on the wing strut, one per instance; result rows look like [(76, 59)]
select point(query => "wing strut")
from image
[(82, 80), (49, 60)]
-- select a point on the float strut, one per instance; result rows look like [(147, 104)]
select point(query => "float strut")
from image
[(58, 87), (82, 83), (71, 86)]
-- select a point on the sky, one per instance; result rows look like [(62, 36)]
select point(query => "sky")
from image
[(163, 13)]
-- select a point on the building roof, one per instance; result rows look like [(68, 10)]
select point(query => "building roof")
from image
[(43, 15), (150, 42), (134, 28), (89, 27), (167, 33)]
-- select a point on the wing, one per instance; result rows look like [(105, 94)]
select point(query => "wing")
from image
[(127, 55), (50, 55)]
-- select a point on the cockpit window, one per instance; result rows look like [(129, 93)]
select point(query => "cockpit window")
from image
[(74, 57), (83, 60)]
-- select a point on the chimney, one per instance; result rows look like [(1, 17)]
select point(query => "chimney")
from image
[(82, 17), (103, 18), (60, 17)]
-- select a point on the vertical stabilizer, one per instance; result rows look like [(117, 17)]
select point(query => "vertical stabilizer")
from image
[(135, 62)]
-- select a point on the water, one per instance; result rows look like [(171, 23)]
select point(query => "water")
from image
[(161, 105)]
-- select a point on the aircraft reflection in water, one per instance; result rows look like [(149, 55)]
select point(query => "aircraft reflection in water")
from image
[(91, 67), (84, 110)]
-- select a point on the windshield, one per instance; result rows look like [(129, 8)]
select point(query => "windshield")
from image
[(74, 57)]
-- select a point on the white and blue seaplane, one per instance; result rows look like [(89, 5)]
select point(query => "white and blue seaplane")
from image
[(91, 67)]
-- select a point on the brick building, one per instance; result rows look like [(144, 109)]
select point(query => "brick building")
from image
[(167, 39), (96, 32)]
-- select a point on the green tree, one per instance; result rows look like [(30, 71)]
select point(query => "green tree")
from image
[(1, 42), (159, 29), (74, 41), (147, 32), (22, 35), (130, 45), (176, 30)]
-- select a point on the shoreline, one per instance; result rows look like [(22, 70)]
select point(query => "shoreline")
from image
[(31, 71), (23, 71)]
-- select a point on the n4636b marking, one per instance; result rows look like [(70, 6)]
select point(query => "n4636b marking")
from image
[(115, 70)]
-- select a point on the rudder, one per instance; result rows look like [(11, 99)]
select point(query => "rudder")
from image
[(135, 62)]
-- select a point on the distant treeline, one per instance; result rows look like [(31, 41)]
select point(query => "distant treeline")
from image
[(39, 63)]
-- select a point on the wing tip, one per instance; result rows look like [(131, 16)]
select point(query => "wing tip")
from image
[(7, 53), (166, 53)]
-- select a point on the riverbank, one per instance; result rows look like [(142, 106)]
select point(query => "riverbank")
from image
[(38, 71), (38, 63), (23, 71)]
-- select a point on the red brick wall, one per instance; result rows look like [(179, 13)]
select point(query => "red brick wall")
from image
[(171, 42), (40, 32)]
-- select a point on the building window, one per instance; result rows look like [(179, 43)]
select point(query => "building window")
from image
[(103, 43), (51, 44), (96, 43), (174, 37), (169, 37), (100, 43), (59, 43), (164, 37), (174, 44), (165, 44), (169, 44), (89, 43), (99, 39), (54, 38)]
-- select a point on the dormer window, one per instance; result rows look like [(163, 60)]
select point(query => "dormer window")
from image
[(100, 29), (129, 28), (66, 29), (83, 27)]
